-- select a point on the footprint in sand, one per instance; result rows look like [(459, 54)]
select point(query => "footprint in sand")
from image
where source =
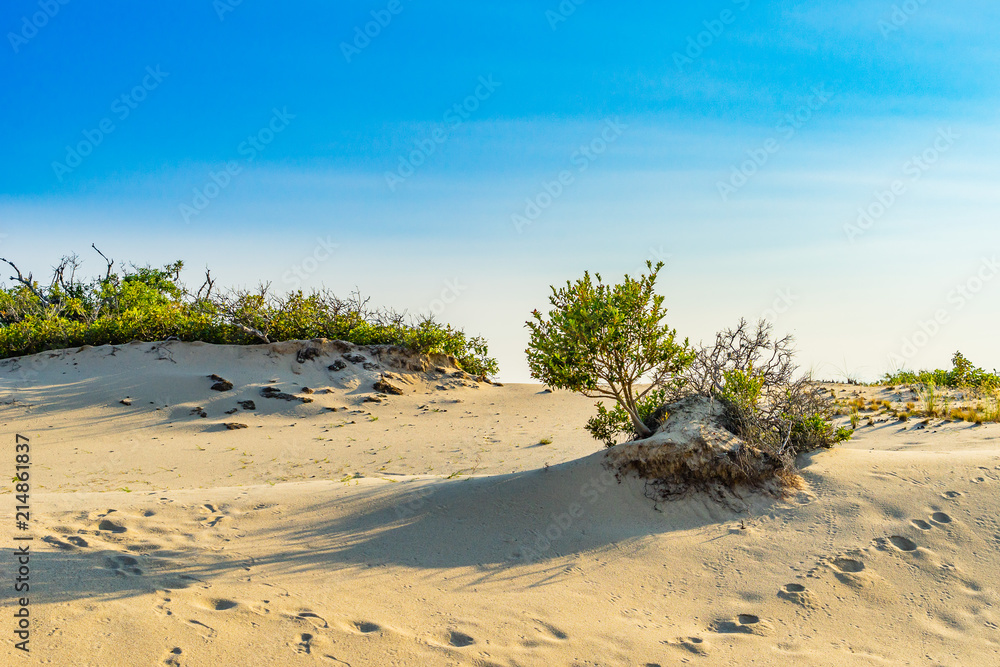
[(921, 524), (903, 543), (57, 543), (848, 565), (460, 639), (122, 565), (212, 520), (852, 572), (365, 627), (305, 643), (798, 594), (205, 631), (747, 624), (951, 495), (940, 517), (553, 631), (174, 657), (218, 604), (695, 645), (111, 526), (313, 618), (162, 608)]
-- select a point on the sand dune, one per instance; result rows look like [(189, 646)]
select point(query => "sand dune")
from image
[(435, 528)]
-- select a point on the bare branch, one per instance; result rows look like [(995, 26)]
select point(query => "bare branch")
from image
[(71, 262), (253, 332), (111, 263), (209, 283), (27, 282), (236, 304), (769, 417)]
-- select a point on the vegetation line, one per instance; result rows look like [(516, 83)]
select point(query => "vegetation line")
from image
[(150, 304)]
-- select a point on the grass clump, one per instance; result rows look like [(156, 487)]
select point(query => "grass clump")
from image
[(149, 304), (992, 412)]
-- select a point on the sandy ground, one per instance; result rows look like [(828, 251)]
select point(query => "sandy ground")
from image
[(436, 528)]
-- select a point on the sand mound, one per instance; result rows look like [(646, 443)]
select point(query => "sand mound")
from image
[(693, 448)]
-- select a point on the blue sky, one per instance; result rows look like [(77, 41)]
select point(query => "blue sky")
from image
[(464, 156)]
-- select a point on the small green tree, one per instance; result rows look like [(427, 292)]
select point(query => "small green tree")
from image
[(602, 340), (962, 370)]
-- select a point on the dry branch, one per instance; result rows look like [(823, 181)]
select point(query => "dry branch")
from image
[(27, 282)]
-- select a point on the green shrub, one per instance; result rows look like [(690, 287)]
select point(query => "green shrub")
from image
[(814, 431), (963, 374), (602, 340), (144, 303), (753, 374), (741, 388)]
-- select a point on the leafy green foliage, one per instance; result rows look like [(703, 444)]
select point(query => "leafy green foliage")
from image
[(742, 388), (610, 426), (602, 340), (815, 431), (144, 303), (963, 374)]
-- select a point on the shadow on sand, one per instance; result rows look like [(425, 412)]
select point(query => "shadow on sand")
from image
[(518, 528)]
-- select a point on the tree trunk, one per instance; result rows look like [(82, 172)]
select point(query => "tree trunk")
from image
[(641, 429)]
